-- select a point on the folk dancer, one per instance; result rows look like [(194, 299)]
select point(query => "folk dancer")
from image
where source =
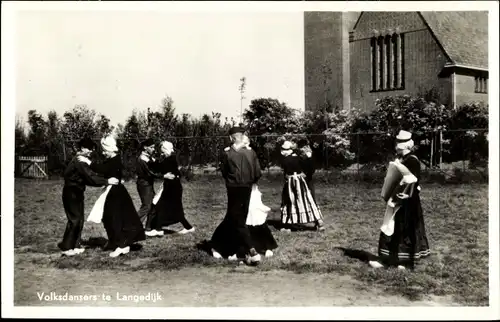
[(298, 206), (77, 176), (241, 170), (403, 239), (260, 233), (115, 206), (146, 175), (168, 207)]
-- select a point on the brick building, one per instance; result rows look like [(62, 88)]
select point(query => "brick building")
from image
[(352, 58)]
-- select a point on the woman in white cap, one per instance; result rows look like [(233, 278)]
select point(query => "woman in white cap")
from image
[(169, 209), (297, 203), (115, 207), (403, 239)]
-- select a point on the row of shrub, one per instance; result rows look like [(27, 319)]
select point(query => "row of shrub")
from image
[(339, 138)]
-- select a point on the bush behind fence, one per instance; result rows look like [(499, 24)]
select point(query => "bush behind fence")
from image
[(456, 155)]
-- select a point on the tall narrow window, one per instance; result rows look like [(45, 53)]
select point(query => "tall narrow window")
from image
[(387, 62), (481, 85), (380, 62), (389, 70), (401, 68), (395, 61), (374, 63)]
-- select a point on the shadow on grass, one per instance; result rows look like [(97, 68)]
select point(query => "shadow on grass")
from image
[(168, 231), (204, 246), (362, 255), (102, 243), (277, 224)]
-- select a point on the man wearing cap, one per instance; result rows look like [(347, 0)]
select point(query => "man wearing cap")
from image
[(145, 183), (77, 176), (241, 169)]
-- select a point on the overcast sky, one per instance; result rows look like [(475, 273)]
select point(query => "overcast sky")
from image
[(115, 61)]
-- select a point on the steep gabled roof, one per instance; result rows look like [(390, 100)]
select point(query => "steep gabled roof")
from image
[(462, 34)]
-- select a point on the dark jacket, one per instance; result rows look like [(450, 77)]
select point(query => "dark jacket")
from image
[(79, 174), (240, 168), (146, 172)]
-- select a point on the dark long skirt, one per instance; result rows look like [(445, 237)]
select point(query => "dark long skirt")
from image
[(225, 239), (169, 210), (262, 238), (409, 240), (120, 219), (232, 235)]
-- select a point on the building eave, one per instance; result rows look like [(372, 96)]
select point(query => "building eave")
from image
[(466, 67)]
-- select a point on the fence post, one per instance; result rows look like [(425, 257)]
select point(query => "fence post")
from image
[(64, 149), (432, 150), (357, 155), (464, 153), (441, 149)]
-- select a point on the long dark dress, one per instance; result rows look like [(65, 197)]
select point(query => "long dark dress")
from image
[(409, 240), (297, 203), (169, 209), (120, 219)]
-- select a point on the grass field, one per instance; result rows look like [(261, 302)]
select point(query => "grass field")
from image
[(308, 269)]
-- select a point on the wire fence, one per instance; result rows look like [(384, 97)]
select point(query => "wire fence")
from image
[(440, 151)]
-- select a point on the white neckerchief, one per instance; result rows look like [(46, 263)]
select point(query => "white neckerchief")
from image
[(238, 146), (144, 157)]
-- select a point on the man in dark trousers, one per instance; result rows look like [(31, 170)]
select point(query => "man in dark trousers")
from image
[(241, 169), (145, 185), (77, 176)]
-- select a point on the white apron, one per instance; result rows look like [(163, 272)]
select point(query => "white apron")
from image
[(257, 211), (158, 195), (387, 227), (98, 209)]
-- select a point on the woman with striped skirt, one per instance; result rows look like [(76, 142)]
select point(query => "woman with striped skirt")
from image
[(298, 206)]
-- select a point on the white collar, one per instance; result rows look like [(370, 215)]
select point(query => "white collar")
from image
[(144, 157)]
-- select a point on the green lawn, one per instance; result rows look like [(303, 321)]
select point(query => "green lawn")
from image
[(456, 219)]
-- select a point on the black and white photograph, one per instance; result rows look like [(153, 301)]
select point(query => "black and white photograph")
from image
[(250, 160)]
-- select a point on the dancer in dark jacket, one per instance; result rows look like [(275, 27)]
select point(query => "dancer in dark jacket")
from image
[(241, 169), (145, 184), (76, 176)]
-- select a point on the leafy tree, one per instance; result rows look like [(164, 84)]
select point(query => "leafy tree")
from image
[(268, 118), (20, 137), (37, 135), (55, 144), (392, 114), (471, 144)]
